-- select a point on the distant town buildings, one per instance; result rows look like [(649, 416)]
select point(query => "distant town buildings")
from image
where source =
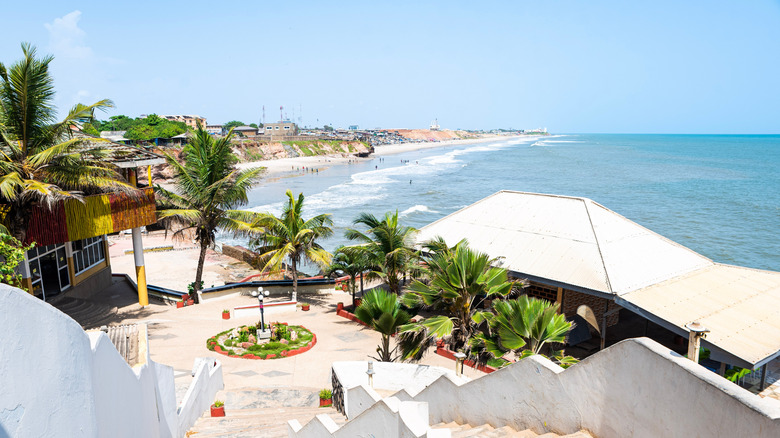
[(189, 120), (283, 128), (215, 129), (353, 127), (246, 131)]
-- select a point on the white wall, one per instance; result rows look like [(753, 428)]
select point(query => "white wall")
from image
[(200, 395), (45, 370), (635, 388), (58, 381)]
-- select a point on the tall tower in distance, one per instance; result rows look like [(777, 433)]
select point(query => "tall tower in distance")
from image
[(435, 125)]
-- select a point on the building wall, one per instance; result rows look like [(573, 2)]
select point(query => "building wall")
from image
[(572, 300), (91, 283), (270, 129)]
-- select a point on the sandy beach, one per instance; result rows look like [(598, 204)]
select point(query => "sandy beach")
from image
[(283, 166)]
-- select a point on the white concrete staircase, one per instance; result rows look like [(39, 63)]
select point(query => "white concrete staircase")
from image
[(262, 413), (488, 431)]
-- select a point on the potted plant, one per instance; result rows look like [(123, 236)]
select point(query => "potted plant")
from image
[(326, 398), (190, 302), (226, 314), (179, 304), (305, 307), (218, 409)]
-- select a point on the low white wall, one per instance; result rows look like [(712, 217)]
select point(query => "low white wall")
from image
[(46, 370), (359, 398), (268, 309), (58, 381), (200, 395), (635, 388), (124, 397)]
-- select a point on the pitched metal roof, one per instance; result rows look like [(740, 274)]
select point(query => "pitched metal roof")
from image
[(573, 241), (581, 245), (738, 305)]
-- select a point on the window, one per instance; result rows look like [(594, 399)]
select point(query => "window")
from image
[(286, 127), (88, 253), (276, 127)]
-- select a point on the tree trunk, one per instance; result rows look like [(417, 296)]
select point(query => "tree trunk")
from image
[(385, 348), (295, 278), (199, 271), (352, 287)]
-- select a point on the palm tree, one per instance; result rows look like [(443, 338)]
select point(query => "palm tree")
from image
[(524, 326), (292, 237), (207, 190), (457, 278), (382, 311), (41, 161), (349, 260), (388, 246)]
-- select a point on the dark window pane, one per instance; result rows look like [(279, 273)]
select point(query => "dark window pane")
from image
[(64, 278)]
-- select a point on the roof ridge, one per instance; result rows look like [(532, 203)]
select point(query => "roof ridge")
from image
[(598, 244)]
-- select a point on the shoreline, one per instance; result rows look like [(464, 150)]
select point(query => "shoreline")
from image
[(292, 166)]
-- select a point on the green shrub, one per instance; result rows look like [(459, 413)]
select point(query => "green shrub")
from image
[(326, 394)]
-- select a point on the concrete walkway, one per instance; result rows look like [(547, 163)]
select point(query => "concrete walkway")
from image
[(178, 336)]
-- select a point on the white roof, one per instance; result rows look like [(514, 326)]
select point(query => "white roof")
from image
[(738, 305), (570, 240), (578, 243)]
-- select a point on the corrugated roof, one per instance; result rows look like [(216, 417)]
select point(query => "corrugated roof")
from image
[(738, 305), (570, 240), (583, 245)]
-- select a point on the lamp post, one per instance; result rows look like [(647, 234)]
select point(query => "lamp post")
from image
[(370, 372), (261, 294), (460, 357), (695, 335)]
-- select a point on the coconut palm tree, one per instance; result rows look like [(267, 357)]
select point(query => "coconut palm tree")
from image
[(456, 279), (352, 261), (524, 326), (292, 237), (387, 245), (382, 311), (207, 190), (41, 160)]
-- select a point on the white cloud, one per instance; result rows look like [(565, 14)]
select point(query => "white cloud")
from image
[(67, 39)]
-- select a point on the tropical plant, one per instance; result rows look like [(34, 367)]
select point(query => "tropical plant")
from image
[(291, 237), (524, 326), (457, 278), (219, 404), (387, 246), (326, 394), (207, 189), (41, 161), (352, 261), (381, 310), (11, 254)]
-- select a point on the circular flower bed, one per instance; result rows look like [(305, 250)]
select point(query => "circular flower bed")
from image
[(241, 342)]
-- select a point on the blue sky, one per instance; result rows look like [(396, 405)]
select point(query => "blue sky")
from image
[(570, 66)]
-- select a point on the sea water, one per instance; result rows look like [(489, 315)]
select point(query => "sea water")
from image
[(716, 194)]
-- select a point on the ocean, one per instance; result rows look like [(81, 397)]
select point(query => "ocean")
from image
[(716, 194)]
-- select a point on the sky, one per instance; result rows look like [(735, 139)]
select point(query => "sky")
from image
[(569, 66)]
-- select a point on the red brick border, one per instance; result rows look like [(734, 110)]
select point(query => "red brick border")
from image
[(449, 354), (350, 316), (287, 353)]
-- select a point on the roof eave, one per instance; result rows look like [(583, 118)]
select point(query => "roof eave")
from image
[(139, 163)]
